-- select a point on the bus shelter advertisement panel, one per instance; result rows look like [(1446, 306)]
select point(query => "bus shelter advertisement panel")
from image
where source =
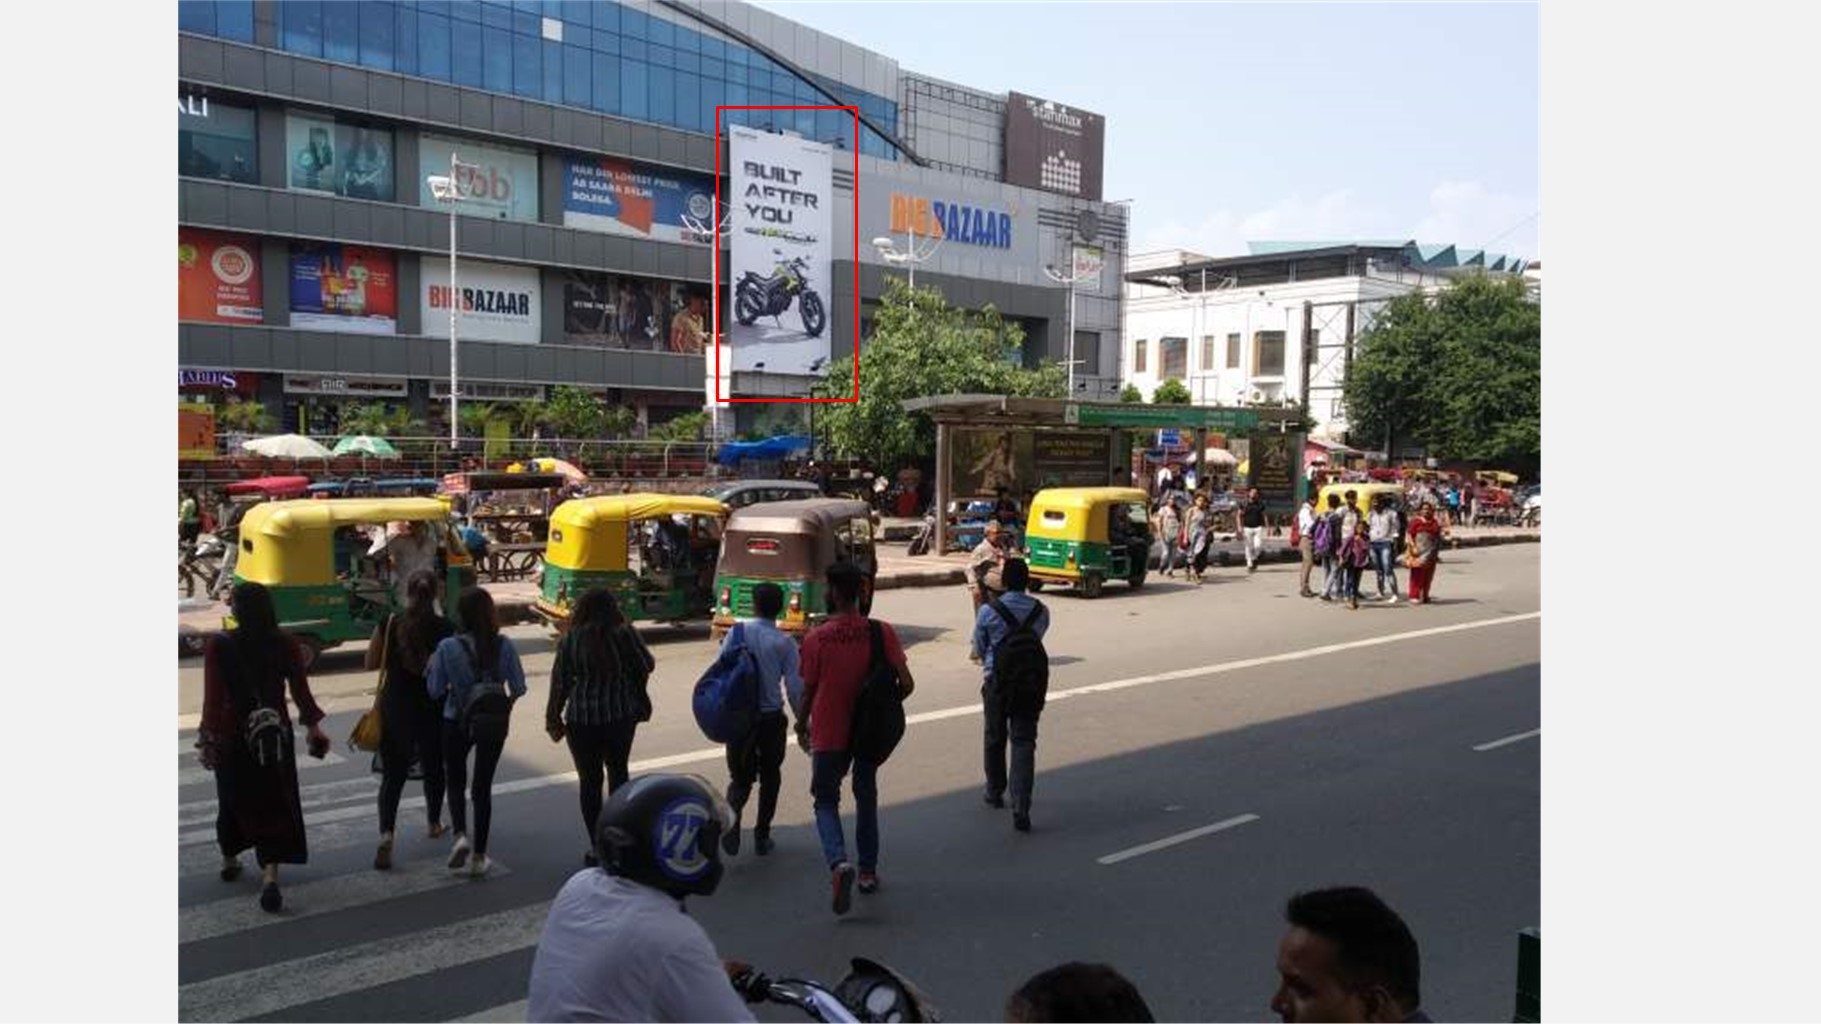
[(1072, 460), (782, 226), (1275, 465), (983, 462)]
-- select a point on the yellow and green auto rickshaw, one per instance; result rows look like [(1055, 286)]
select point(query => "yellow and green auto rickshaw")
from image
[(792, 544), (656, 551), (1084, 536), (312, 556)]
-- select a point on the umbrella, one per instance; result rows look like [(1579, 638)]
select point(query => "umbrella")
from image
[(1217, 457), (366, 444), (286, 446), (566, 469)]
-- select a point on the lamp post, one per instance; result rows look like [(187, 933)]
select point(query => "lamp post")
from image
[(713, 230), (1070, 279), (448, 190), (910, 257)]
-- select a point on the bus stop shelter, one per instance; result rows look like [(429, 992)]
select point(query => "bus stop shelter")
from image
[(988, 442)]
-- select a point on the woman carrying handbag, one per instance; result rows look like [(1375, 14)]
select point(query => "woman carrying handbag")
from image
[(410, 722)]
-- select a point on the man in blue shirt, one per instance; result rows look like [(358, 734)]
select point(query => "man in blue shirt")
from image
[(1005, 718), (761, 754)]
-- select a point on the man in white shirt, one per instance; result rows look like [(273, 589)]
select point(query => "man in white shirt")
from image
[(1382, 532), (618, 944), (1305, 528), (411, 548), (760, 756)]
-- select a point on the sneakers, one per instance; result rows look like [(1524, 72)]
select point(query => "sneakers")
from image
[(478, 865), (1353, 603), (730, 840), (1390, 598), (1021, 822), (1252, 567), (762, 844), (869, 882), (382, 858), (994, 801), (270, 900), (844, 887), (458, 857)]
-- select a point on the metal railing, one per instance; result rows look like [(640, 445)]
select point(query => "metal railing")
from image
[(432, 457)]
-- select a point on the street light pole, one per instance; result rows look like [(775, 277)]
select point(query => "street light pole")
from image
[(447, 190), (1069, 279)]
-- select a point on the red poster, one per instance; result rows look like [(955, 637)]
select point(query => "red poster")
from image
[(218, 278)]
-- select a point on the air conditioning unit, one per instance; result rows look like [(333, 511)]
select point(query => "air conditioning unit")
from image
[(1255, 396)]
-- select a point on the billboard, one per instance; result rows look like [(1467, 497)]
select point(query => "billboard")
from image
[(343, 288), (498, 302), (218, 278), (782, 225), (501, 184), (1071, 460), (1053, 147), (977, 222), (983, 461), (1275, 464), (216, 140), (326, 155), (623, 198), (616, 311)]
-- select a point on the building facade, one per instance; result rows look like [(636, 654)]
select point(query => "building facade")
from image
[(1275, 325), (314, 251)]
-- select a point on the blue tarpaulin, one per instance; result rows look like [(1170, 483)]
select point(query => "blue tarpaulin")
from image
[(770, 448)]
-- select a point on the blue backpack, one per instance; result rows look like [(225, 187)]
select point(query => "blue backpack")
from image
[(727, 696)]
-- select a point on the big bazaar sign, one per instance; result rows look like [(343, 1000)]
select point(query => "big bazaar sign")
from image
[(955, 222)]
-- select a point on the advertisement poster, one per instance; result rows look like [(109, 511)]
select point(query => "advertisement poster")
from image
[(614, 311), (195, 430), (782, 227), (337, 158), (982, 461), (623, 198), (1071, 460), (498, 302), (343, 288), (1276, 468), (218, 278), (494, 182), (216, 140), (1053, 147)]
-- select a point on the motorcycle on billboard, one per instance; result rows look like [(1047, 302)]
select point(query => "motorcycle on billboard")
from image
[(756, 296)]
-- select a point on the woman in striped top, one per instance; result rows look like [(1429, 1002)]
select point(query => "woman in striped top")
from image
[(598, 698)]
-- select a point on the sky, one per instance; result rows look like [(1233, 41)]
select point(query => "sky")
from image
[(1237, 122)]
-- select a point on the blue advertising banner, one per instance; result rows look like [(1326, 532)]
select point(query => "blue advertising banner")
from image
[(343, 288), (624, 198)]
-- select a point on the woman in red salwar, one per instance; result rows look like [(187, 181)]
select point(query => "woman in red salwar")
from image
[(1424, 551), (245, 671)]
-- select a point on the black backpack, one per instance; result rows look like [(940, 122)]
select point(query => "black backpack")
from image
[(878, 722), (263, 728), (1021, 667), (486, 713)]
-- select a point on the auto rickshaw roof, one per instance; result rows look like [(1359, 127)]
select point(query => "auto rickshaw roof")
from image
[(810, 515), (290, 518), (270, 486), (1087, 497), (589, 513)]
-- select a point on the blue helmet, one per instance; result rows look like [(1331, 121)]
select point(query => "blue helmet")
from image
[(664, 831)]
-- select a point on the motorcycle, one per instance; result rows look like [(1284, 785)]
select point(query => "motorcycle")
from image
[(870, 992), (201, 563), (755, 296), (926, 535)]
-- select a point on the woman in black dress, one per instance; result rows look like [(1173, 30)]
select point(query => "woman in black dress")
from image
[(244, 675), (411, 723)]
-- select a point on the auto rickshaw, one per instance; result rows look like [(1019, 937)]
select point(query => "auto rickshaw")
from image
[(1364, 494), (310, 555), (792, 544), (656, 551), (1084, 536)]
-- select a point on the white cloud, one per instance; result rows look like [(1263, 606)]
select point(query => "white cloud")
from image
[(1466, 214)]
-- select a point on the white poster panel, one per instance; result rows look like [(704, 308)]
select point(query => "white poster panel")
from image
[(496, 183), (498, 302), (782, 251)]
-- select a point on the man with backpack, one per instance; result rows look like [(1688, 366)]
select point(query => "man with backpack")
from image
[(1327, 547), (852, 716), (1008, 635), (760, 754)]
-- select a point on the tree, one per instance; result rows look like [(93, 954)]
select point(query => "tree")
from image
[(476, 415), (574, 413), (244, 418), (1459, 372), (1130, 395), (923, 346), (530, 415), (687, 427), (376, 419), (1171, 392)]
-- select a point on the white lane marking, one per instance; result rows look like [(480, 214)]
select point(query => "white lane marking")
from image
[(194, 774), (207, 835), (1180, 837), (312, 797), (1495, 744), (509, 1012), (241, 913), (277, 986)]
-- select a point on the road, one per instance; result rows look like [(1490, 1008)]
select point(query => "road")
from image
[(1332, 747)]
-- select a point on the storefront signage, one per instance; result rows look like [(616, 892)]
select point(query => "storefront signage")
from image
[(987, 228), (223, 379), (1234, 421), (485, 392), (216, 140), (493, 182), (218, 278), (358, 387), (956, 222), (497, 302)]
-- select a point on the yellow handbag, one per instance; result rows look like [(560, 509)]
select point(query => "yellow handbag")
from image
[(365, 736)]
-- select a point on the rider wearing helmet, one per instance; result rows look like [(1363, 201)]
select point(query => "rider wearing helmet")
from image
[(618, 944)]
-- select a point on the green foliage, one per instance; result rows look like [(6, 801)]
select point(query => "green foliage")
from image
[(476, 415), (1171, 392), (1459, 372), (377, 419), (1130, 395), (687, 427), (922, 346), (575, 414), (529, 415), (243, 418)]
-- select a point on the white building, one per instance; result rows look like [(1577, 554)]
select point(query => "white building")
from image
[(1272, 326)]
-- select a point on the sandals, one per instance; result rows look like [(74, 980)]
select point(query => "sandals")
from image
[(382, 858)]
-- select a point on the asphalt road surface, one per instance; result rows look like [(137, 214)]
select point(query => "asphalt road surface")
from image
[(1206, 752)]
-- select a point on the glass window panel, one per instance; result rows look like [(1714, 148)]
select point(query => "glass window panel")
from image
[(737, 94), (405, 53), (441, 8), (553, 71), (532, 7), (660, 31), (661, 95), (577, 12), (433, 47), (341, 32), (606, 42), (216, 140), (606, 17), (528, 23), (633, 24), (578, 80), (606, 84), (689, 40), (497, 46), (662, 56), (196, 16), (378, 31), (234, 20), (689, 102), (714, 94), (737, 73), (495, 16), (634, 49), (634, 79), (527, 66), (690, 62), (713, 49)]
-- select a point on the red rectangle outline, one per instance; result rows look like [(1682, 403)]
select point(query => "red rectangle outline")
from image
[(715, 275)]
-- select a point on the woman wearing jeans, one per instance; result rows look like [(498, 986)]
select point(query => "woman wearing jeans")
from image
[(598, 698), (411, 721), (456, 671), (1382, 531)]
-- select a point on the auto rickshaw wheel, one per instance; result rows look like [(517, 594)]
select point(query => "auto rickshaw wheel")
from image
[(1090, 584), (311, 648)]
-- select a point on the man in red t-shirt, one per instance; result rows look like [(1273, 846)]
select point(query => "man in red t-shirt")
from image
[(835, 661)]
